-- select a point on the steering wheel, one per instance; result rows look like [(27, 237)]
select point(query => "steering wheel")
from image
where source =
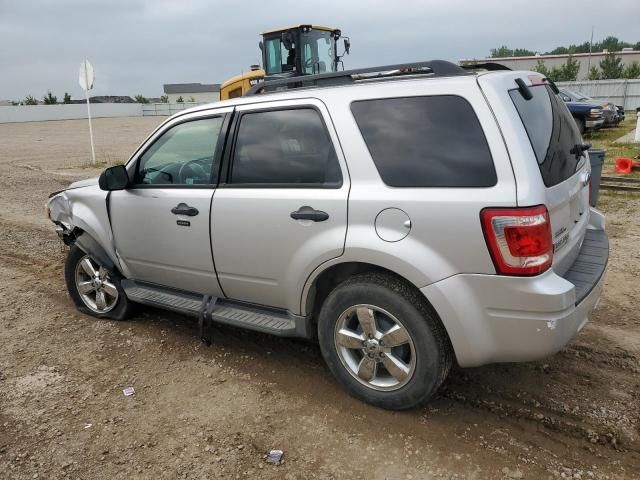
[(308, 63), (195, 170)]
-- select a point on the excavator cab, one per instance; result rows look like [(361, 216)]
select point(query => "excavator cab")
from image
[(300, 50), (291, 52)]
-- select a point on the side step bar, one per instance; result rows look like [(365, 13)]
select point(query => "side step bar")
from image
[(251, 317)]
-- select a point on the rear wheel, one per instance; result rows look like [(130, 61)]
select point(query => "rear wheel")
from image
[(383, 342), (93, 288)]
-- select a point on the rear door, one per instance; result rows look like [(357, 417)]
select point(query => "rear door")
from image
[(282, 209), (552, 153)]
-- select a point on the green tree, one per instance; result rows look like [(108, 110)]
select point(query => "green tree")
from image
[(611, 66), (570, 69), (632, 70), (50, 99), (67, 97), (611, 44), (141, 99), (541, 68), (594, 73), (30, 100), (180, 99), (164, 98), (504, 51)]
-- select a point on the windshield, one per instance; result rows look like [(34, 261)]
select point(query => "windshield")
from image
[(318, 52)]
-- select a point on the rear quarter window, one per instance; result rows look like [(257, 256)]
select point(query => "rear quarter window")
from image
[(434, 141)]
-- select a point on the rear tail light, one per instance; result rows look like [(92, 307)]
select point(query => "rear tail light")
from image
[(519, 239)]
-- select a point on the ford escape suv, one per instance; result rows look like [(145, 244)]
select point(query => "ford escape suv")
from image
[(406, 219)]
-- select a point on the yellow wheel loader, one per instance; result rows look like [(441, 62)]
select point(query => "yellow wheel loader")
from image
[(291, 52)]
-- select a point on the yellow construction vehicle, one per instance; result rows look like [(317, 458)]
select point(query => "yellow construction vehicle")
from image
[(291, 52)]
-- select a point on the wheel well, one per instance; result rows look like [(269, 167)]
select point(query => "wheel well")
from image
[(335, 275)]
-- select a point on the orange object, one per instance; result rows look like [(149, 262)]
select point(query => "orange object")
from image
[(625, 165)]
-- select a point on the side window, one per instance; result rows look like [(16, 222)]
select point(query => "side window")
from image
[(285, 147), (273, 56), (434, 141), (183, 155)]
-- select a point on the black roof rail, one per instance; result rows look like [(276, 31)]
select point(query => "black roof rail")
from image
[(433, 68), (491, 66)]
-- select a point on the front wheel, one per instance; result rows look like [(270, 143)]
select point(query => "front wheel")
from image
[(94, 289), (581, 125), (382, 342)]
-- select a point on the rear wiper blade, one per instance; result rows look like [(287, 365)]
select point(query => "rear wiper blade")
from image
[(579, 149)]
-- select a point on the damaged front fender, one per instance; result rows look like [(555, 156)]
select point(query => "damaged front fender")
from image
[(81, 217)]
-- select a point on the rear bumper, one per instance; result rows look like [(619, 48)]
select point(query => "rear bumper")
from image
[(492, 318)]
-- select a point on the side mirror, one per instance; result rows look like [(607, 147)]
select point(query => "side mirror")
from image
[(347, 45), (261, 46), (114, 178)]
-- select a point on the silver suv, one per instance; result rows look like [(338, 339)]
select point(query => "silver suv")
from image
[(405, 219)]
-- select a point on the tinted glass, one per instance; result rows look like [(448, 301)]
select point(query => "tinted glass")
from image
[(552, 132), (426, 141), (284, 147), (183, 155)]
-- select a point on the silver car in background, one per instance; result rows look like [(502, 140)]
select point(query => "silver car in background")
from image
[(405, 221)]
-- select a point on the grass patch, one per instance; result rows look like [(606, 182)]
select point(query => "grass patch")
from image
[(604, 139), (101, 165)]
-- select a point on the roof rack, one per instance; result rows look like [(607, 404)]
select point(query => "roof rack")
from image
[(433, 68)]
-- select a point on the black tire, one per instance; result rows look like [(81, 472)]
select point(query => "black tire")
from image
[(580, 124), (433, 353), (123, 307)]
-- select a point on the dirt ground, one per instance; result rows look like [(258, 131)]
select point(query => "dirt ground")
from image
[(213, 412)]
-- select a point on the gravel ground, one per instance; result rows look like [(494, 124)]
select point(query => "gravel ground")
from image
[(213, 412)]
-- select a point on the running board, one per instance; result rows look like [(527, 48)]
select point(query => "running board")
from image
[(251, 317)]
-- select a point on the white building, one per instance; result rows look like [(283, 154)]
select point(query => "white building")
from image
[(193, 92), (586, 60)]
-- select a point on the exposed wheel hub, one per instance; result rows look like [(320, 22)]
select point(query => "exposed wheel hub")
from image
[(372, 347)]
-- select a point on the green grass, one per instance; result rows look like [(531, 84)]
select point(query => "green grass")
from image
[(100, 165), (604, 139)]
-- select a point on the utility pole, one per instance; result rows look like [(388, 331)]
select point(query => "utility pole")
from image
[(589, 58)]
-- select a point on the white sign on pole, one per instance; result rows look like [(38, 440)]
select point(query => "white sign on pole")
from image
[(86, 79)]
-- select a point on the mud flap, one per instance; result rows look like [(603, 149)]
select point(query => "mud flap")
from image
[(205, 319)]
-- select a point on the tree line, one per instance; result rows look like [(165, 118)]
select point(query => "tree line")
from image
[(611, 44), (610, 67), (51, 99)]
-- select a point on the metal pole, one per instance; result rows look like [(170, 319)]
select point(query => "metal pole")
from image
[(93, 151), (589, 58)]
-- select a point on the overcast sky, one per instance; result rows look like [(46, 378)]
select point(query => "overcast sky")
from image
[(138, 45)]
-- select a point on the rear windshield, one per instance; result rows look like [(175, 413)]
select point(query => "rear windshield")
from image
[(552, 132), (432, 141)]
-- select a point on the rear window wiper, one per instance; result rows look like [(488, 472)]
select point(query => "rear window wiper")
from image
[(579, 148)]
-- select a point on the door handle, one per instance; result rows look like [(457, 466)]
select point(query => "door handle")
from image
[(184, 209), (308, 213)]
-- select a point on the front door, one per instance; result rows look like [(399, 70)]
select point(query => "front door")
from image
[(161, 223), (282, 208)]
